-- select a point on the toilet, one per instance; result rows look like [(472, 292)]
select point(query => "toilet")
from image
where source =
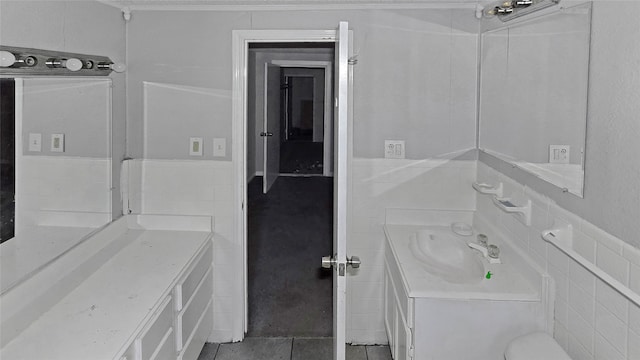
[(535, 346)]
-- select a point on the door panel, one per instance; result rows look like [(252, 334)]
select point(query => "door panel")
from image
[(271, 128), (341, 132)]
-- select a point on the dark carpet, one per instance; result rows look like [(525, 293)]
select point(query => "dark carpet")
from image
[(290, 229), (301, 157)]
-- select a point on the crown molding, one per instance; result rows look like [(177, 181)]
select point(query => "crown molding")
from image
[(285, 5)]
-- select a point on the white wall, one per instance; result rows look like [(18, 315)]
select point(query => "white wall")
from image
[(415, 80), (592, 319), (85, 27), (611, 189), (534, 87), (380, 184), (403, 89)]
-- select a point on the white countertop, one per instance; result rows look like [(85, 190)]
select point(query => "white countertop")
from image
[(506, 282), (99, 318)]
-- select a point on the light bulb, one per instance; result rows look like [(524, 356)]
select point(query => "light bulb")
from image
[(7, 58), (117, 67), (72, 64)]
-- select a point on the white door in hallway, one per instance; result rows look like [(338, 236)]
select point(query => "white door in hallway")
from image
[(271, 126), (341, 158)]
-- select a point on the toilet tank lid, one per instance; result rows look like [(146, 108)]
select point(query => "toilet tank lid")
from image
[(535, 346)]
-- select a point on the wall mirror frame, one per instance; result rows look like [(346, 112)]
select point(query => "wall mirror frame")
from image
[(62, 170), (533, 99)]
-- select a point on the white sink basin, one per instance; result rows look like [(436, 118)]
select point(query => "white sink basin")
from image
[(446, 255)]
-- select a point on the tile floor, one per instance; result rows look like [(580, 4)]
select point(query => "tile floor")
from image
[(288, 349)]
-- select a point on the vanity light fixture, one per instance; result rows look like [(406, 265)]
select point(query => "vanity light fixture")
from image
[(512, 9), (17, 61)]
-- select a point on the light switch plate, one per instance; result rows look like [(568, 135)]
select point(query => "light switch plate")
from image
[(195, 146), (559, 154), (35, 142), (219, 147), (394, 149), (57, 142)]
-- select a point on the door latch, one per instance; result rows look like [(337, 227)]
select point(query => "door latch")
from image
[(330, 261), (266, 134)]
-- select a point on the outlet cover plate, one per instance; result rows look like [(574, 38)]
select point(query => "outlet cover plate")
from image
[(559, 154), (394, 149)]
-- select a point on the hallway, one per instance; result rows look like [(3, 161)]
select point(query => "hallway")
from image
[(290, 229)]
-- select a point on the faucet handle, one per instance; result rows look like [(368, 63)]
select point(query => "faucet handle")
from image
[(483, 240), (493, 252)]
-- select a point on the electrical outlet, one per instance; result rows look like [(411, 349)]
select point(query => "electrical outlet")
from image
[(195, 146), (35, 142), (394, 149), (219, 147), (559, 154), (57, 142)]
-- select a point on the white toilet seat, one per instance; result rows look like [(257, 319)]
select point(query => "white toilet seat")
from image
[(535, 346)]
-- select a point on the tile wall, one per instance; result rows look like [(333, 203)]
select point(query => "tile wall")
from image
[(593, 321), (63, 191), (378, 184), (203, 187)]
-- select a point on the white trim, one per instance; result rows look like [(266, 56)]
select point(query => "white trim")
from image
[(284, 6), (240, 42), (328, 108), (18, 116)]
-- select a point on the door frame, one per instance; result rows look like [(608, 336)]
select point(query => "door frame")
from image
[(327, 154), (240, 51)]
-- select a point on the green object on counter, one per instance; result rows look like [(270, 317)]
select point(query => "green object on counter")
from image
[(489, 274)]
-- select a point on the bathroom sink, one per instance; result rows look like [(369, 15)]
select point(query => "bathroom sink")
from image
[(445, 255)]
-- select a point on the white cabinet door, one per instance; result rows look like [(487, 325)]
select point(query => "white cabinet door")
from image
[(389, 311), (403, 339)]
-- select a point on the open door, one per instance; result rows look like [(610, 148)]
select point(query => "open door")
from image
[(271, 128), (339, 260)]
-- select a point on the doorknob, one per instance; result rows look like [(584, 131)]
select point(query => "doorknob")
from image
[(328, 262), (266, 134), (354, 262)]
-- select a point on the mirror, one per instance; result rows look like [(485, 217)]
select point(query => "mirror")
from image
[(533, 95), (56, 164)]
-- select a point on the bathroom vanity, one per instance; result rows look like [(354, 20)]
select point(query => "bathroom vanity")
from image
[(434, 316), (150, 299)]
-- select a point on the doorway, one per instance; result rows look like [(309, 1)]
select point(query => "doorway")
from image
[(243, 143), (7, 158), (290, 214)]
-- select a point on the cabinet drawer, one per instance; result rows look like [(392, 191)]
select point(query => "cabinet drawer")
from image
[(192, 312), (188, 285), (167, 349), (154, 334), (194, 345)]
